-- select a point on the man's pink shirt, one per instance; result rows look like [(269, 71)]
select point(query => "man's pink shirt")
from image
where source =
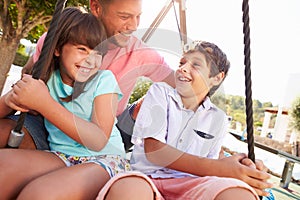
[(127, 64)]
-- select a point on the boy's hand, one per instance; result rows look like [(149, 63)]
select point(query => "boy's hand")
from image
[(244, 169), (257, 165)]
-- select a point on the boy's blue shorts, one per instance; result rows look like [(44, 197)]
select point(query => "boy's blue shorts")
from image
[(35, 126)]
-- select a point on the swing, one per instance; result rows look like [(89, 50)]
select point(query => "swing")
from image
[(17, 135), (37, 69)]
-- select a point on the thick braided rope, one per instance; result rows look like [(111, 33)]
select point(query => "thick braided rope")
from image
[(248, 91), (44, 58)]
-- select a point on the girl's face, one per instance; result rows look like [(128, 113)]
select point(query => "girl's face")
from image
[(77, 63), (193, 76)]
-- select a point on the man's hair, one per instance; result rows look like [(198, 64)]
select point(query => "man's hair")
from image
[(105, 2)]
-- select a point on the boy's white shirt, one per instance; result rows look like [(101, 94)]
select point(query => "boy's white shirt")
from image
[(163, 117)]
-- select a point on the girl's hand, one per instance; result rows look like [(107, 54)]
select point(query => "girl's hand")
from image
[(12, 103), (29, 93)]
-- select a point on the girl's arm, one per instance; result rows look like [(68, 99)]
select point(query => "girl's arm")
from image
[(9, 103), (94, 135), (167, 156), (4, 108)]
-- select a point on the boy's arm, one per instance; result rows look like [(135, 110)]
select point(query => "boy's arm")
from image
[(164, 155)]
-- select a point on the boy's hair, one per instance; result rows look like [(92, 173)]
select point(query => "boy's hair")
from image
[(214, 56), (75, 26)]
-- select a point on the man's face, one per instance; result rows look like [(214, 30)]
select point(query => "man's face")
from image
[(120, 18)]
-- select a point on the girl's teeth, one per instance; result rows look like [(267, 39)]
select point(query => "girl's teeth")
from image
[(84, 70), (126, 34)]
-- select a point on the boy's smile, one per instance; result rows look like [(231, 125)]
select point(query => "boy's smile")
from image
[(192, 76)]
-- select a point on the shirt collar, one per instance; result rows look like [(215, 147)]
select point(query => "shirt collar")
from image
[(206, 105)]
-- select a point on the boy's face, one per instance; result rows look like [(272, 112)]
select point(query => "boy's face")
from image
[(120, 18), (192, 78)]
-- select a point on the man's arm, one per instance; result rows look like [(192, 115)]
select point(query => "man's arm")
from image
[(28, 66), (39, 45)]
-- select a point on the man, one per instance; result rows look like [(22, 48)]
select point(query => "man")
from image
[(128, 58)]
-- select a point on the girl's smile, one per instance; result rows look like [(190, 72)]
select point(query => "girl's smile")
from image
[(78, 63)]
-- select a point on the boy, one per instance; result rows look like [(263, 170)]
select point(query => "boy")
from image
[(178, 135)]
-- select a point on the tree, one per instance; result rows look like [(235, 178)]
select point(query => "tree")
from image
[(23, 19), (220, 101), (141, 87), (295, 114)]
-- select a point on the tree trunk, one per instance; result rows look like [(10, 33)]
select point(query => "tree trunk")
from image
[(7, 54)]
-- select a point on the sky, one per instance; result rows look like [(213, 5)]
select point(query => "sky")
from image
[(274, 36)]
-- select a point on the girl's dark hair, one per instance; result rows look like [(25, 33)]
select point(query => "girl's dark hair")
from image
[(214, 56), (76, 26)]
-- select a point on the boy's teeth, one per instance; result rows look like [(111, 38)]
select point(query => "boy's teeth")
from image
[(183, 79)]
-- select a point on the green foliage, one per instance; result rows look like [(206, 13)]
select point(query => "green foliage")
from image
[(38, 6), (219, 100), (235, 107), (237, 102), (22, 49), (20, 59), (267, 104), (35, 7), (257, 124), (295, 114), (140, 89), (21, 56), (36, 32)]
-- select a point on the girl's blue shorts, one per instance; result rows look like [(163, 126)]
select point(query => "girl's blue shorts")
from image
[(36, 128)]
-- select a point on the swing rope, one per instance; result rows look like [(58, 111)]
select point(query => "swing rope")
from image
[(44, 60), (248, 91), (248, 82), (178, 26)]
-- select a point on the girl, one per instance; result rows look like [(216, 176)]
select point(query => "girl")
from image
[(79, 107)]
